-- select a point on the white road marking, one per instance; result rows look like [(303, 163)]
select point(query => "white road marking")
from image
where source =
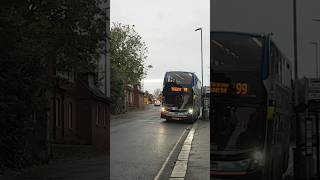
[(167, 159), (181, 166)]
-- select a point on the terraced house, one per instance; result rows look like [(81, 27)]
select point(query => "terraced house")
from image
[(80, 106)]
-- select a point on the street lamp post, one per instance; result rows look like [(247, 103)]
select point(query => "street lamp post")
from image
[(317, 66), (317, 48), (146, 68), (317, 116), (297, 152), (201, 72)]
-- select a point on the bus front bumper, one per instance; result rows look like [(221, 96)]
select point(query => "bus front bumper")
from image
[(176, 116), (253, 175), (240, 169)]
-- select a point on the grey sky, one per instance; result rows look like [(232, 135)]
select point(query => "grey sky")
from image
[(167, 26), (273, 16)]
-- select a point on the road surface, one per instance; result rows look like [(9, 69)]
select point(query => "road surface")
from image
[(141, 143)]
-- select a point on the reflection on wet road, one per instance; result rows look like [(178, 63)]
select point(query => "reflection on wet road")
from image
[(140, 143)]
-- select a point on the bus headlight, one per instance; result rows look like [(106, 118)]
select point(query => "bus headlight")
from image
[(258, 156), (256, 161), (163, 109), (190, 111)]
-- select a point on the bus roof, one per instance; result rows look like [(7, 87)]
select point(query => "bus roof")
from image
[(261, 35), (193, 73), (180, 71)]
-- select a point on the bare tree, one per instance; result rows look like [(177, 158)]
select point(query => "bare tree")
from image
[(157, 93)]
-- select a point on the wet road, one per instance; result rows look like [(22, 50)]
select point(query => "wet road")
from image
[(140, 143)]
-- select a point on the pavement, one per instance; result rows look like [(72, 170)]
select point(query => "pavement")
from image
[(199, 158), (194, 157), (84, 163)]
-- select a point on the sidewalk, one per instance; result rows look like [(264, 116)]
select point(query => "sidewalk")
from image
[(80, 162), (199, 158)]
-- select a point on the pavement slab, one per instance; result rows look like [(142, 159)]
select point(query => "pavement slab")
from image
[(199, 157)]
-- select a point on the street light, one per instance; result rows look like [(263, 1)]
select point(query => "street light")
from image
[(297, 152), (317, 122), (316, 45), (145, 73), (317, 48), (201, 57), (201, 71)]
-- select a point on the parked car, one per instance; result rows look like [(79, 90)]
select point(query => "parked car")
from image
[(157, 103)]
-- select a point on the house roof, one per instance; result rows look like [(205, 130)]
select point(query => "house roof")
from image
[(96, 93)]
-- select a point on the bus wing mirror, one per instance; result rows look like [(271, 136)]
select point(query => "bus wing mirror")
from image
[(270, 113), (271, 110)]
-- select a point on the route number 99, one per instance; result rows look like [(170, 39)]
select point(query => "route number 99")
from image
[(242, 88)]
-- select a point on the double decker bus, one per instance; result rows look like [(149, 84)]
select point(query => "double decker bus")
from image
[(181, 96), (250, 107)]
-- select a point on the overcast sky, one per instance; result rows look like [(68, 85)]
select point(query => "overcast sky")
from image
[(273, 16), (167, 27)]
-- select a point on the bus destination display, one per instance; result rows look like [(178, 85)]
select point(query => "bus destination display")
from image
[(239, 88)]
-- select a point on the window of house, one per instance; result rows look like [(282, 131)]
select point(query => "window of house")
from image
[(58, 113), (131, 98), (103, 116), (97, 115), (70, 115), (34, 117)]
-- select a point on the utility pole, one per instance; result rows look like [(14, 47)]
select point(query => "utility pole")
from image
[(202, 99), (317, 115), (297, 153)]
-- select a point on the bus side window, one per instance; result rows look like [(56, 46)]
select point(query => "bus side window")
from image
[(282, 71), (279, 66), (289, 75), (273, 61), (285, 73)]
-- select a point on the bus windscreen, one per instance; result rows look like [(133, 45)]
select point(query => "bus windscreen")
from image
[(236, 51), (237, 127), (179, 78), (177, 90), (237, 107)]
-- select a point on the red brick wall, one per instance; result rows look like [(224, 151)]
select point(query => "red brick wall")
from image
[(86, 129), (101, 125), (138, 99), (84, 117)]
